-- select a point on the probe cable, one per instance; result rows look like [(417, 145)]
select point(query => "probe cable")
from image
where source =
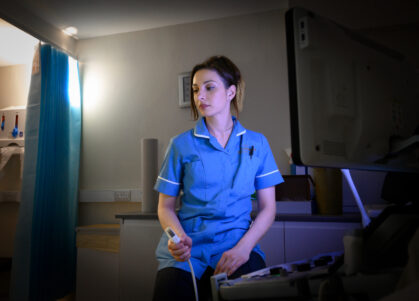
[(193, 280), (175, 239)]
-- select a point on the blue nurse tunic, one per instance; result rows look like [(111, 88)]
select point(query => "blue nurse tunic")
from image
[(217, 184)]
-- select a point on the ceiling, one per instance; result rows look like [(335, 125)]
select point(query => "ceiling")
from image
[(95, 18)]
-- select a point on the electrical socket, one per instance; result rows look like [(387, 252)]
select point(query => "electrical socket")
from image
[(122, 196)]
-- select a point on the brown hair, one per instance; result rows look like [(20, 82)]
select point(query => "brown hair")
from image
[(230, 75)]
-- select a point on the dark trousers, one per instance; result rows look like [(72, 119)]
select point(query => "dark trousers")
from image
[(175, 284)]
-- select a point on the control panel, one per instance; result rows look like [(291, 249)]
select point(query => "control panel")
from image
[(298, 279)]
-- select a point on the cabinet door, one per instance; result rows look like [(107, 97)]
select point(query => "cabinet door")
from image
[(304, 240), (97, 275), (272, 243), (138, 263)]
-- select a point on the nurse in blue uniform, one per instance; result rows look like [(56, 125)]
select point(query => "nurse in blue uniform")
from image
[(215, 168)]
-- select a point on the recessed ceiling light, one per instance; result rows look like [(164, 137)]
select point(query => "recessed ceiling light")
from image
[(71, 31)]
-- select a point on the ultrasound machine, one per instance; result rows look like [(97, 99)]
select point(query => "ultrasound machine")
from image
[(354, 104)]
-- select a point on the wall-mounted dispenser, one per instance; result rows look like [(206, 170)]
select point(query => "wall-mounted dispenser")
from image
[(12, 127)]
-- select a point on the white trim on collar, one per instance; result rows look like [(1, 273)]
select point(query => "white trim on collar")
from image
[(198, 135), (241, 133)]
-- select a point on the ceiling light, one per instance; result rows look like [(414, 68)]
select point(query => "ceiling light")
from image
[(71, 31)]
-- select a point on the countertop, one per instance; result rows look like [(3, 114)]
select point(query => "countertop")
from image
[(345, 218)]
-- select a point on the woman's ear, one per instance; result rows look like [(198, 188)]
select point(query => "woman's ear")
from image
[(231, 92)]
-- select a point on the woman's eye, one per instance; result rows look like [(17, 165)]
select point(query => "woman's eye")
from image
[(209, 88), (194, 91)]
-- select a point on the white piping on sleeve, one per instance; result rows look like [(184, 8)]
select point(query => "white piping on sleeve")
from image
[(171, 182), (267, 174)]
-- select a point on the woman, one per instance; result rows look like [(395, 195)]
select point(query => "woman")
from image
[(218, 165)]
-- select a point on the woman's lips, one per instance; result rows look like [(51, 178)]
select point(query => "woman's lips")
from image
[(202, 106)]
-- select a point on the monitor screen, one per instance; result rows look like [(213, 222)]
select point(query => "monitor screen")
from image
[(353, 103)]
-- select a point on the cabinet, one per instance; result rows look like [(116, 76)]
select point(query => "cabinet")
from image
[(97, 275), (97, 262), (272, 244), (137, 261), (288, 241), (306, 239), (285, 241)]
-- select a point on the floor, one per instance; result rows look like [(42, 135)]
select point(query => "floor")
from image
[(5, 270)]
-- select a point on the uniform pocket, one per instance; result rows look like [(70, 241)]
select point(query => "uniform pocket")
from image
[(244, 183), (251, 172)]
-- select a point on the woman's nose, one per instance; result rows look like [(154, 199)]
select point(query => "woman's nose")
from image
[(201, 95)]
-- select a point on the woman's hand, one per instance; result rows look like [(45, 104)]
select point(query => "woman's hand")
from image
[(232, 260), (182, 250)]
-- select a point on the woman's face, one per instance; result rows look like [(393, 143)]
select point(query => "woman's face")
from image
[(210, 95)]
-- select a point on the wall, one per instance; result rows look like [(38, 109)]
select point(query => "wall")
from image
[(14, 85), (131, 90), (130, 84)]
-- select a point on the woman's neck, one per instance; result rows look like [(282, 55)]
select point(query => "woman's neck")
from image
[(220, 128), (219, 125)]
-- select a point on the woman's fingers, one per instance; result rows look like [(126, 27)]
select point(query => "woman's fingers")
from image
[(182, 257), (185, 256), (187, 241), (227, 264), (230, 261), (182, 250), (179, 251)]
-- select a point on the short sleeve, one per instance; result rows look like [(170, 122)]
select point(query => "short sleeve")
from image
[(169, 179), (268, 174)]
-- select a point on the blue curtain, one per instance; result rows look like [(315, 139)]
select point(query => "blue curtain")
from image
[(44, 259)]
